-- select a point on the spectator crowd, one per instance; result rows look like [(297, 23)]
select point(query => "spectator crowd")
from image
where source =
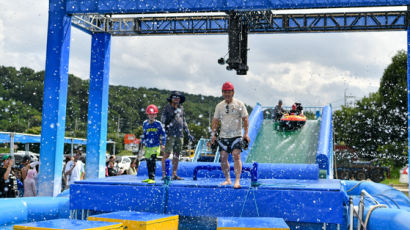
[(18, 180)]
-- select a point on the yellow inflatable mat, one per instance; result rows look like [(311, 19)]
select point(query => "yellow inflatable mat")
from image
[(140, 220)]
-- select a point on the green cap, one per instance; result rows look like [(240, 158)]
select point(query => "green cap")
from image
[(5, 157)]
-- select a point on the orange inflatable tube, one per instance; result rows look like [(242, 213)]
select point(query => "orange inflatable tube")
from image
[(292, 121)]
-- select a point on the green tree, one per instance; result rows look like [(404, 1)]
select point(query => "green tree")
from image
[(17, 117), (377, 126), (393, 109)]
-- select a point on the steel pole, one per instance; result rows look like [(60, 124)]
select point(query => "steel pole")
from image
[(408, 85)]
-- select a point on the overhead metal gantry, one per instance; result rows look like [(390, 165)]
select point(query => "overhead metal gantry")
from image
[(103, 19), (128, 17), (195, 6), (258, 22), (238, 24)]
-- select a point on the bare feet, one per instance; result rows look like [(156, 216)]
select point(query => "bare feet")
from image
[(237, 184), (226, 183)]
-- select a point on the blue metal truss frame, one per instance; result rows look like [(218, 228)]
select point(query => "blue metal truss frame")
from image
[(259, 22), (95, 19), (180, 6)]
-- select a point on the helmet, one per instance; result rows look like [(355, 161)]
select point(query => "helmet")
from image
[(152, 109), (227, 86), (294, 107)]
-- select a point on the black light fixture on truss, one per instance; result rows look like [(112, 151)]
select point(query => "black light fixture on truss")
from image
[(237, 45)]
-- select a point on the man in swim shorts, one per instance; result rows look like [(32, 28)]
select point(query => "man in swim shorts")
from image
[(233, 116)]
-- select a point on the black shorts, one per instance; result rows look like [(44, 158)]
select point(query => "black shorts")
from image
[(229, 144)]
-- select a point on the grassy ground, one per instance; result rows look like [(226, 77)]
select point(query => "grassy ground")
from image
[(394, 177), (124, 153), (394, 182), (5, 150), (390, 181)]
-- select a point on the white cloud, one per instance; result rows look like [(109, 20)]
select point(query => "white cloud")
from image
[(2, 36), (315, 68), (24, 28)]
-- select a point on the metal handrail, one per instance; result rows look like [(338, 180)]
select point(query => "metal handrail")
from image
[(360, 212), (364, 192)]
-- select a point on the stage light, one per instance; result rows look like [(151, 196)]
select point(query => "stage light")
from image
[(238, 30)]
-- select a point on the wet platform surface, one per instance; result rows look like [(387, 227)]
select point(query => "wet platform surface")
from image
[(311, 201), (291, 184)]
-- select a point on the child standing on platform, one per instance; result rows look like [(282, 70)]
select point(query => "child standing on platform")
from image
[(153, 141)]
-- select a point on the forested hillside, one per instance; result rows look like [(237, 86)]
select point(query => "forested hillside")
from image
[(21, 94)]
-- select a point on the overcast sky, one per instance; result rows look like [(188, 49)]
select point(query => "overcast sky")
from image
[(314, 69)]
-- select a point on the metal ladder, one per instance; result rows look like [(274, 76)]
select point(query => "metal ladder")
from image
[(202, 149)]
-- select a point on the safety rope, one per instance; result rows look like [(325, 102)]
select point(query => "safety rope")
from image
[(386, 200), (351, 189), (254, 200), (243, 205), (256, 205)]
